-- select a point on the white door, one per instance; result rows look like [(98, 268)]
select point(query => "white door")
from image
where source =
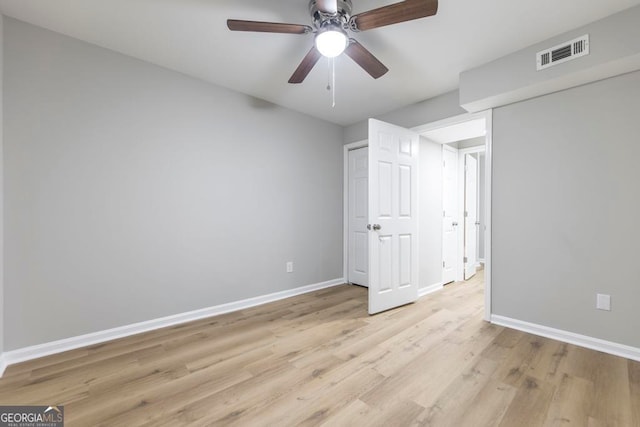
[(358, 270), (471, 215), (449, 214), (393, 216)]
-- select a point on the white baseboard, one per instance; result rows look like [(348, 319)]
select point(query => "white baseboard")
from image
[(429, 289), (40, 350), (3, 364), (616, 349)]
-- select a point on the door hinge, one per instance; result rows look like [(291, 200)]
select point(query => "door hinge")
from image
[(465, 260), (444, 213), (443, 264), (444, 163), (466, 214)]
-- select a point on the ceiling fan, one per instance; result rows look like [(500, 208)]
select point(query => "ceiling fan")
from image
[(331, 19)]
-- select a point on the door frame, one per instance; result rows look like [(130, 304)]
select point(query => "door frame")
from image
[(457, 271), (465, 213), (462, 118), (461, 201), (345, 204)]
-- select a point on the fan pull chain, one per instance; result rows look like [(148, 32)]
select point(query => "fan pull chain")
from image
[(328, 73), (331, 84)]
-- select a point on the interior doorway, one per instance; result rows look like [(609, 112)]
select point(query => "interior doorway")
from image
[(463, 205), (358, 199), (450, 221), (474, 211), (470, 258), (463, 208), (391, 211), (454, 130), (468, 138)]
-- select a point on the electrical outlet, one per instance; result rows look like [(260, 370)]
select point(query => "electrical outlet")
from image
[(603, 302), (289, 266)]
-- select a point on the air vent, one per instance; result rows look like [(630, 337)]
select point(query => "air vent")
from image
[(563, 52)]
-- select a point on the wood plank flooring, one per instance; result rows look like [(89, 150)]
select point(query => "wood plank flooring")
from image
[(319, 359)]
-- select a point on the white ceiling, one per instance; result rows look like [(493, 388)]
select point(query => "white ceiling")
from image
[(425, 56)]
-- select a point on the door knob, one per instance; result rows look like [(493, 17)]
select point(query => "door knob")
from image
[(454, 223), (376, 227)]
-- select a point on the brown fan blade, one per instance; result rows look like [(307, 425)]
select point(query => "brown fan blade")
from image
[(327, 6), (407, 10), (365, 59), (267, 27), (305, 66)]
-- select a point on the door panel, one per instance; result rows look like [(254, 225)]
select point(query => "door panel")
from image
[(384, 190), (384, 261), (450, 214), (361, 257), (358, 269), (405, 259), (393, 196), (405, 191), (471, 215)]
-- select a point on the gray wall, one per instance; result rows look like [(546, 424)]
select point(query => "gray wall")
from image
[(565, 202), (1, 190), (430, 110), (614, 44), (430, 213), (133, 192)]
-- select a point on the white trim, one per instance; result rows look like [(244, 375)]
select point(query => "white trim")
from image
[(462, 222), (3, 364), (46, 349), (461, 118), (430, 289), (609, 347), (345, 203)]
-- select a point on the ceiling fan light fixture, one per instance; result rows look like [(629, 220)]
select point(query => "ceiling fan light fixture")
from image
[(331, 42)]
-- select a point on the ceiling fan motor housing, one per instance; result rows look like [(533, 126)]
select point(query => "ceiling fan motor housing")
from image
[(322, 20)]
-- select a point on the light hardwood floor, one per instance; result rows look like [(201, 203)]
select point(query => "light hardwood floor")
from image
[(319, 359)]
